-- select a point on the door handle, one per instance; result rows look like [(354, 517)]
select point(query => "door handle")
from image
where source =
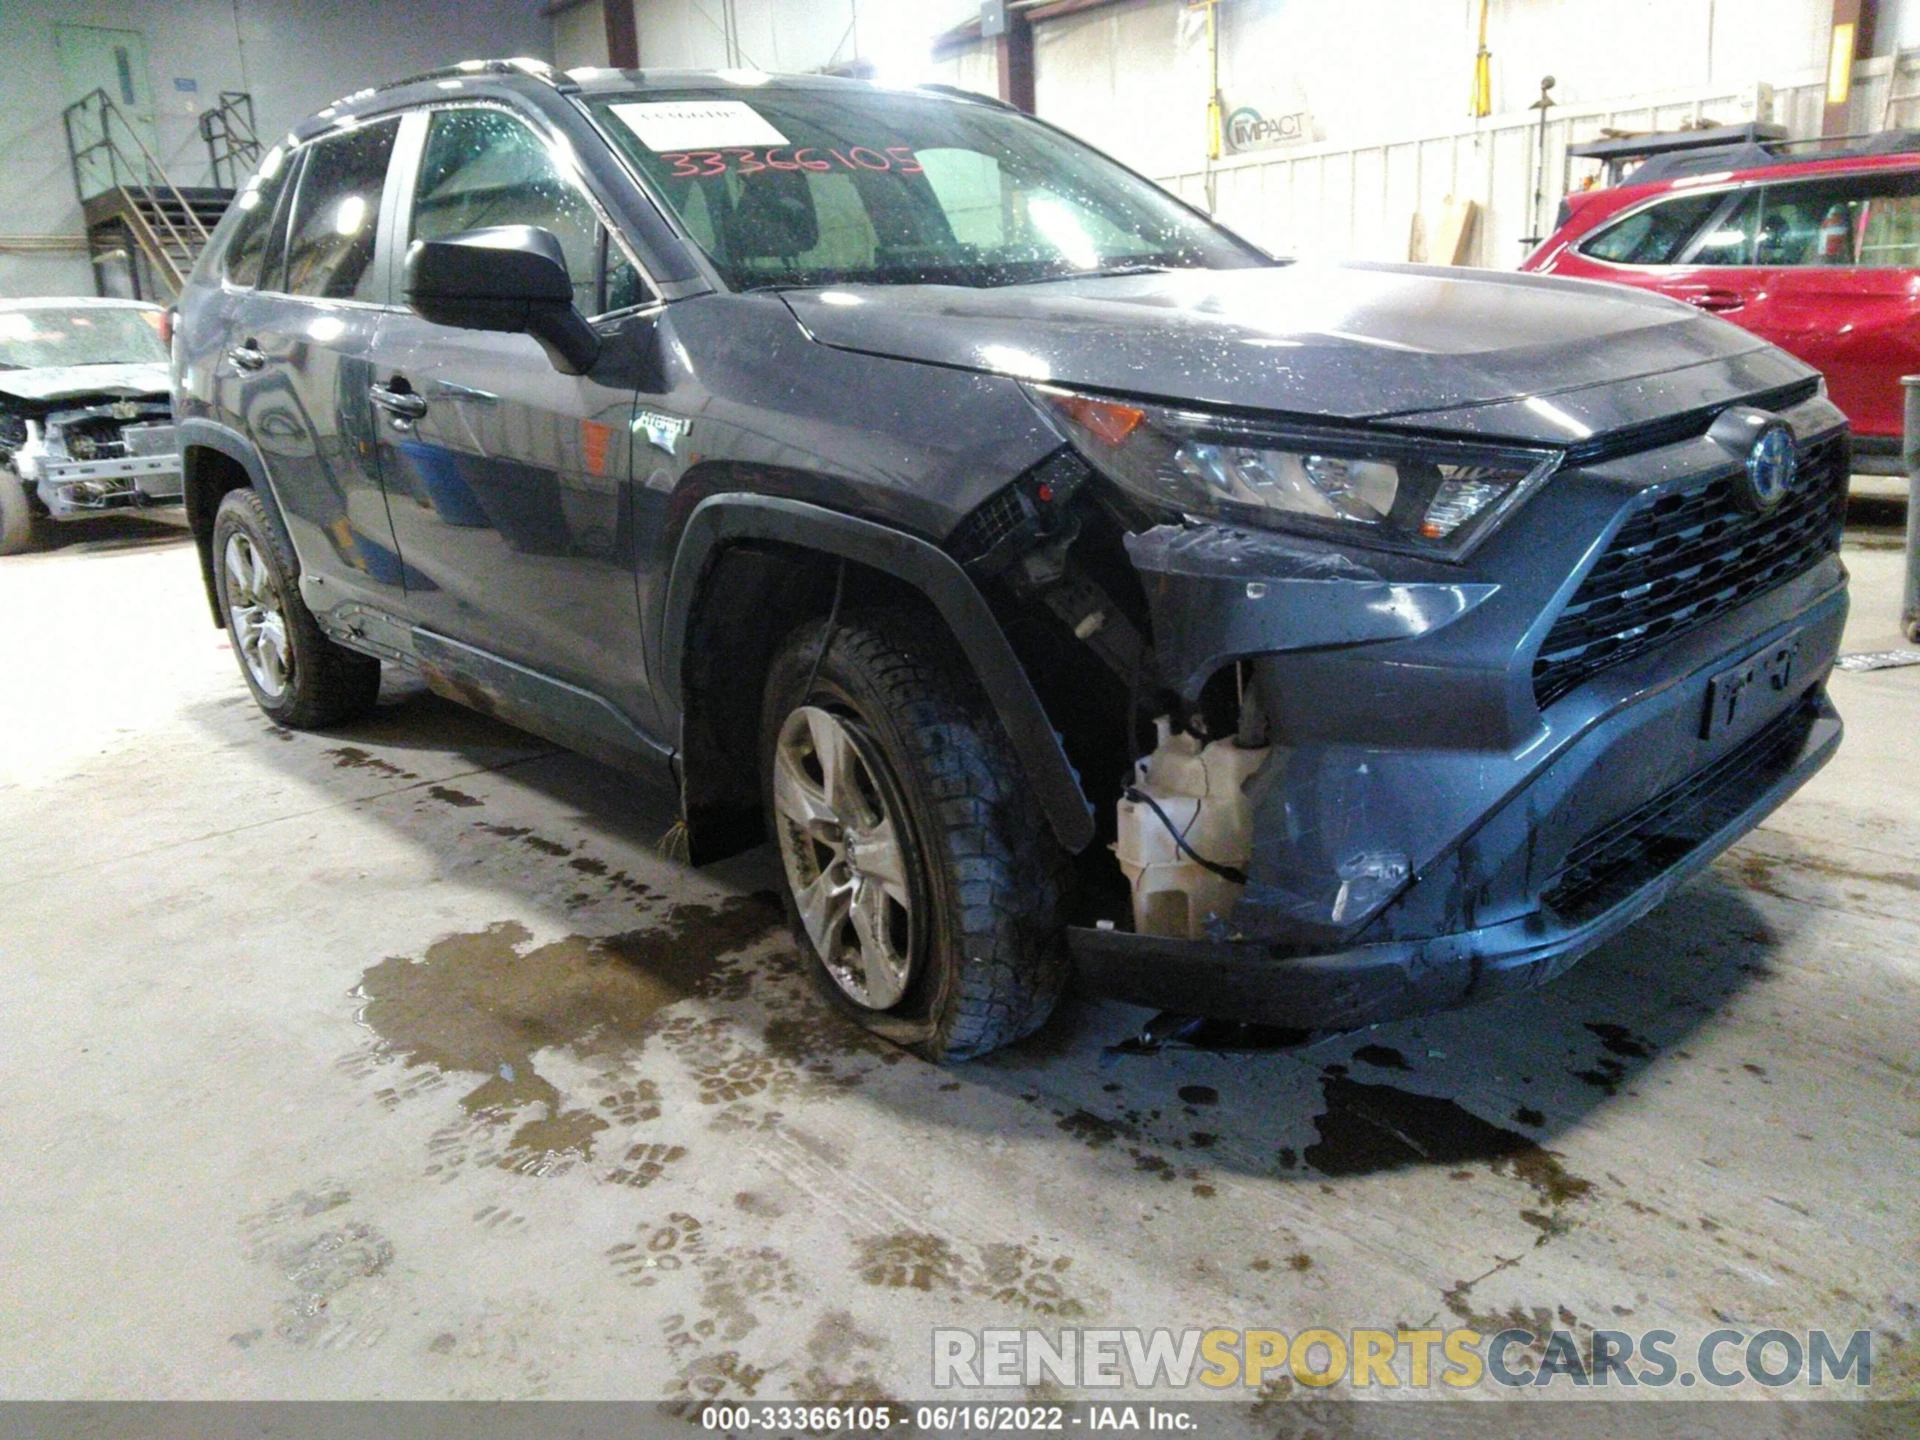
[(247, 357), (462, 392), (1718, 301), (404, 404)]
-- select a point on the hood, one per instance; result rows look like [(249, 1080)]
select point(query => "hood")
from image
[(1355, 342), (63, 382)]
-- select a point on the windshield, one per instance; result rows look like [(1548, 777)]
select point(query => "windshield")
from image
[(40, 338), (800, 188)]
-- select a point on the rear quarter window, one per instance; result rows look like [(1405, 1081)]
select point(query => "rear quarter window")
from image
[(1863, 221), (257, 203)]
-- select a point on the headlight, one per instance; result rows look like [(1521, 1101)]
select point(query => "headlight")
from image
[(1431, 497)]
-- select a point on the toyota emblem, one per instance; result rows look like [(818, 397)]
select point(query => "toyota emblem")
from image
[(1772, 466)]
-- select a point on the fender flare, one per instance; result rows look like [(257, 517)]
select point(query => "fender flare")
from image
[(198, 433), (721, 520)]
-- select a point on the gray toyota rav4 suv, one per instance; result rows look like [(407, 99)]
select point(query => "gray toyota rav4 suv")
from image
[(1068, 589)]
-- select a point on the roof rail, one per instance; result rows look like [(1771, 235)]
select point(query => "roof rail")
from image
[(960, 92), (1672, 155), (518, 65)]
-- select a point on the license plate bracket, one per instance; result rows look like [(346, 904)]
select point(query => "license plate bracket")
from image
[(1740, 693)]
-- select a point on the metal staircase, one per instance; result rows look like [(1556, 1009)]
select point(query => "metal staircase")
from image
[(144, 231)]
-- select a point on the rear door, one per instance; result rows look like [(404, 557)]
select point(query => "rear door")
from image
[(508, 480), (1833, 276), (302, 362), (212, 309)]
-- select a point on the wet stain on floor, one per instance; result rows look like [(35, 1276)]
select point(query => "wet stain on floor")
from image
[(1367, 1129), (1086, 1126), (486, 1003), (1006, 1274), (446, 795), (1618, 1040), (326, 1268), (1764, 873), (352, 757), (909, 1260)]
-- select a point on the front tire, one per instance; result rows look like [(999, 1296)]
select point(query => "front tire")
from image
[(298, 677), (16, 513), (921, 874)]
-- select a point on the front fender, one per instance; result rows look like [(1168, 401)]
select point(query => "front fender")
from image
[(201, 502), (722, 520)]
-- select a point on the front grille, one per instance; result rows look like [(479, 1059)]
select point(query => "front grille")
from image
[(1687, 557), (1614, 861)]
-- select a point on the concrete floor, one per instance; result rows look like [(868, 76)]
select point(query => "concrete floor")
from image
[(396, 1062)]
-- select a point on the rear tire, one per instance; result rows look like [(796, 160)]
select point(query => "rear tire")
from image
[(298, 677), (16, 513), (921, 874)]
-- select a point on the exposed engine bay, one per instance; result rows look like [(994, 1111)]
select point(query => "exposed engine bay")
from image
[(1172, 785), (86, 412), (82, 454)]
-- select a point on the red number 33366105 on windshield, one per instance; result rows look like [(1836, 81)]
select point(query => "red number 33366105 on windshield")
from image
[(699, 164)]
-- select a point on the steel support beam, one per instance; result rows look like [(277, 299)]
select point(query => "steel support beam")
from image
[(1850, 37), (623, 34), (1013, 58)]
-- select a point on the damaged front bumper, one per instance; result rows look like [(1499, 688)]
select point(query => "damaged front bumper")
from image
[(1269, 982), (1450, 813), (129, 466), (76, 489)]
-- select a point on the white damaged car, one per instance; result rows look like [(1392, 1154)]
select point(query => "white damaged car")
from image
[(86, 425)]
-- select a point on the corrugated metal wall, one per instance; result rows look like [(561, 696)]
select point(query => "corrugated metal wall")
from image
[(1381, 86), (1339, 202), (1358, 202)]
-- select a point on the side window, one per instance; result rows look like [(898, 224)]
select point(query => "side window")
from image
[(1655, 235), (337, 212), (1868, 220), (1889, 229), (1731, 240), (257, 203), (484, 167)]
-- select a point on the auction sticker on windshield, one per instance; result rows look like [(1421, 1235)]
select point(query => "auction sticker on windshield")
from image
[(692, 124)]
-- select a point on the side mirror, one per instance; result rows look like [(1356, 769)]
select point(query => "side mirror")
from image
[(510, 278)]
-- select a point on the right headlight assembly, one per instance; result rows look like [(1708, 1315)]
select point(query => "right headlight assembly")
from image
[(1429, 497)]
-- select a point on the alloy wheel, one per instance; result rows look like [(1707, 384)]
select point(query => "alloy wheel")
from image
[(258, 617), (843, 844)]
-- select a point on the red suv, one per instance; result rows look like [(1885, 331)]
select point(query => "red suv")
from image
[(1819, 254)]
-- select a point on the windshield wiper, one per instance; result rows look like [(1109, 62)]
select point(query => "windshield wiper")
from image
[(1106, 273)]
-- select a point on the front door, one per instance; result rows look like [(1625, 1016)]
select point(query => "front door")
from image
[(507, 479)]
